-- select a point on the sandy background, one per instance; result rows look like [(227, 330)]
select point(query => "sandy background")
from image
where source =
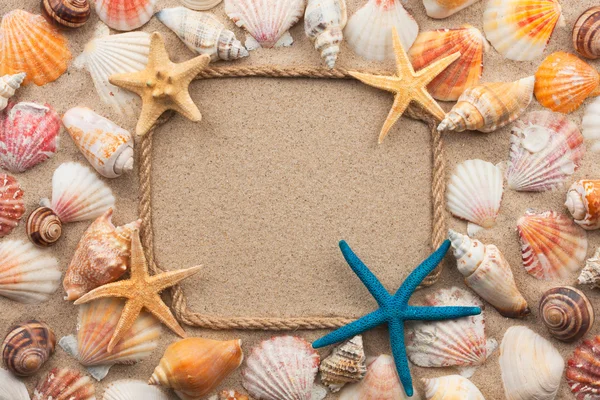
[(276, 173)]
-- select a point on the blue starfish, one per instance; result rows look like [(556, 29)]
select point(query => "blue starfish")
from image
[(394, 310)]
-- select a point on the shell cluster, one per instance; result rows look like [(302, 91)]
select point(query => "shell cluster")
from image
[(27, 347), (567, 313)]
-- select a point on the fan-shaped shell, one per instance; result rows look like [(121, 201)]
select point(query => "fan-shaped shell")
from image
[(563, 82), (200, 5), (267, 22), (369, 30), (128, 389), (451, 387), (27, 347), (27, 275), (545, 150), (12, 387), (583, 370), (64, 384), (67, 13), (324, 21), (96, 322), (567, 313), (8, 85), (440, 9), (585, 33), (346, 364), (28, 43), (590, 125), (125, 15), (583, 202), (380, 383), (12, 206), (552, 246), (520, 29)]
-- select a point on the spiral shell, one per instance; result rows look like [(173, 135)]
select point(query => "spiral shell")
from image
[(346, 364), (567, 313), (64, 384), (585, 33), (583, 202), (67, 13), (323, 24), (43, 227), (8, 85), (590, 274), (27, 347)]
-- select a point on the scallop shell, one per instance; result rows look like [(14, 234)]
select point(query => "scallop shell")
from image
[(128, 389), (489, 106), (440, 9), (583, 202), (29, 135), (583, 376), (194, 367), (346, 364), (380, 383), (43, 227), (520, 29), (283, 367), (200, 5), (462, 73), (27, 275), (451, 387), (590, 274), (267, 22), (28, 43), (545, 150), (12, 206), (125, 15), (107, 146), (552, 245), (590, 125), (585, 33), (8, 85), (563, 82), (27, 347), (106, 55), (67, 13), (324, 21), (202, 33), (369, 30), (12, 387), (64, 384), (567, 313)]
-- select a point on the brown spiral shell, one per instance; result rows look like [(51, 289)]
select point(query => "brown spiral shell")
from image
[(67, 13), (27, 347), (586, 33), (44, 227), (567, 313)]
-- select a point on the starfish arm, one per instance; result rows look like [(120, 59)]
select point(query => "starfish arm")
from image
[(403, 64), (139, 267), (398, 108), (132, 81), (170, 278), (115, 289), (396, 328), (382, 82), (185, 106), (439, 313), (190, 68), (150, 113), (428, 103), (160, 310), (129, 314), (429, 73), (354, 328), (158, 52)]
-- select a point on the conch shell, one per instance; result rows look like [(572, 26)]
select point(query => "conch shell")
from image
[(583, 202), (590, 274), (346, 364), (8, 85), (567, 313), (324, 21)]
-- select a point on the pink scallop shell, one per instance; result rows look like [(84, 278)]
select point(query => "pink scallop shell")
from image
[(12, 206)]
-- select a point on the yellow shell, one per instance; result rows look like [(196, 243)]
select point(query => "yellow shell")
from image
[(585, 33)]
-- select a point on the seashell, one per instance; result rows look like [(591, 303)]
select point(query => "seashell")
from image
[(489, 106), (230, 395), (106, 55), (200, 5), (346, 364), (64, 384), (563, 82), (8, 85), (67, 13), (475, 192), (531, 367), (590, 125), (27, 347), (29, 135), (451, 387), (369, 30), (567, 313), (12, 387), (462, 73), (43, 227), (545, 149), (582, 370), (585, 30), (128, 389), (29, 44), (583, 202), (202, 33), (125, 15), (487, 272), (107, 146), (283, 367), (95, 324), (27, 275), (267, 22), (552, 246), (590, 274), (440, 9), (12, 206), (324, 21), (193, 367), (380, 383)]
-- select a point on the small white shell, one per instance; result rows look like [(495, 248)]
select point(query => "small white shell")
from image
[(12, 388), (324, 21), (8, 85), (440, 9), (128, 389), (591, 125), (451, 387), (380, 383), (200, 5)]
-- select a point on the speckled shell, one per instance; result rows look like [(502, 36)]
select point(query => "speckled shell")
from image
[(563, 82), (583, 203), (585, 33), (546, 148), (346, 364), (67, 13), (583, 370), (101, 257), (567, 313), (12, 387), (125, 15), (590, 125), (440, 9), (451, 387), (462, 73), (324, 21), (380, 383), (27, 347), (12, 206), (489, 106), (28, 43), (200, 5), (194, 367), (590, 274), (8, 85), (64, 384), (43, 227), (128, 389)]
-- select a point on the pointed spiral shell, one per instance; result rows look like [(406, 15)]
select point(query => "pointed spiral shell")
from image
[(44, 228), (567, 313), (27, 347)]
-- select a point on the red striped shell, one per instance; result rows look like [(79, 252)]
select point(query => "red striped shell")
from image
[(583, 370), (12, 206)]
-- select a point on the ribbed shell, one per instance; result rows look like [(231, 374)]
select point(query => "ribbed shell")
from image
[(590, 274), (583, 203), (586, 39), (27, 347), (28, 43), (12, 387), (324, 21), (440, 9), (128, 389), (12, 206), (583, 370), (380, 383), (8, 85), (125, 15), (567, 313), (200, 5), (346, 364), (64, 384), (590, 125), (67, 13), (451, 387), (462, 73)]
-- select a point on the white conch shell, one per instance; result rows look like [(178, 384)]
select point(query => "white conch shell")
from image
[(8, 85), (440, 9), (12, 388), (530, 365), (324, 21), (451, 387), (380, 383), (583, 203), (590, 125), (128, 389), (200, 5), (590, 274)]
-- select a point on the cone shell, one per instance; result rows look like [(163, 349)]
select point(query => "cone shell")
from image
[(64, 384), (451, 387), (489, 106), (125, 15), (380, 383), (530, 365), (346, 364), (12, 206), (202, 33), (12, 387), (67, 13), (583, 202), (440, 9), (127, 389), (590, 125), (8, 85), (369, 30), (324, 21), (28, 43), (586, 39), (545, 150), (583, 368), (590, 274), (567, 313), (200, 5), (552, 246), (27, 347), (462, 73), (563, 82)]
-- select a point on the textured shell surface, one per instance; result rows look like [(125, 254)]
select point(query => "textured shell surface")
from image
[(64, 384), (546, 148), (462, 73), (27, 347), (12, 387), (451, 387), (200, 5), (590, 125), (585, 33), (567, 313), (440, 9), (345, 364), (283, 367), (583, 376), (583, 203), (125, 15), (8, 86), (369, 30), (324, 21), (12, 205), (530, 365), (102, 256), (96, 322), (489, 106), (43, 227), (128, 389), (590, 274), (107, 146), (267, 22), (106, 55), (28, 43), (67, 13), (202, 33), (229, 395), (552, 245), (27, 275)]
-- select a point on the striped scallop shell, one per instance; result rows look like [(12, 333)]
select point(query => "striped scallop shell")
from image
[(64, 384), (12, 387), (12, 206), (583, 203), (125, 15), (585, 33), (27, 347), (128, 389), (520, 29), (567, 313), (380, 383), (583, 370), (451, 387), (67, 13), (440, 9)]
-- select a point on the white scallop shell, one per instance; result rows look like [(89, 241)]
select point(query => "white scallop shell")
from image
[(128, 389), (324, 21), (369, 30), (8, 85), (125, 15), (200, 5), (591, 125), (451, 387), (12, 388), (440, 9), (27, 274)]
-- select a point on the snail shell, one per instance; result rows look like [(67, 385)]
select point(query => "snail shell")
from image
[(27, 347), (44, 227), (567, 313), (585, 33), (67, 13)]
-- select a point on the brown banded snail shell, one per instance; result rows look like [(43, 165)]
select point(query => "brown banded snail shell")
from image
[(586, 33), (27, 347), (44, 227), (67, 13), (567, 313)]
